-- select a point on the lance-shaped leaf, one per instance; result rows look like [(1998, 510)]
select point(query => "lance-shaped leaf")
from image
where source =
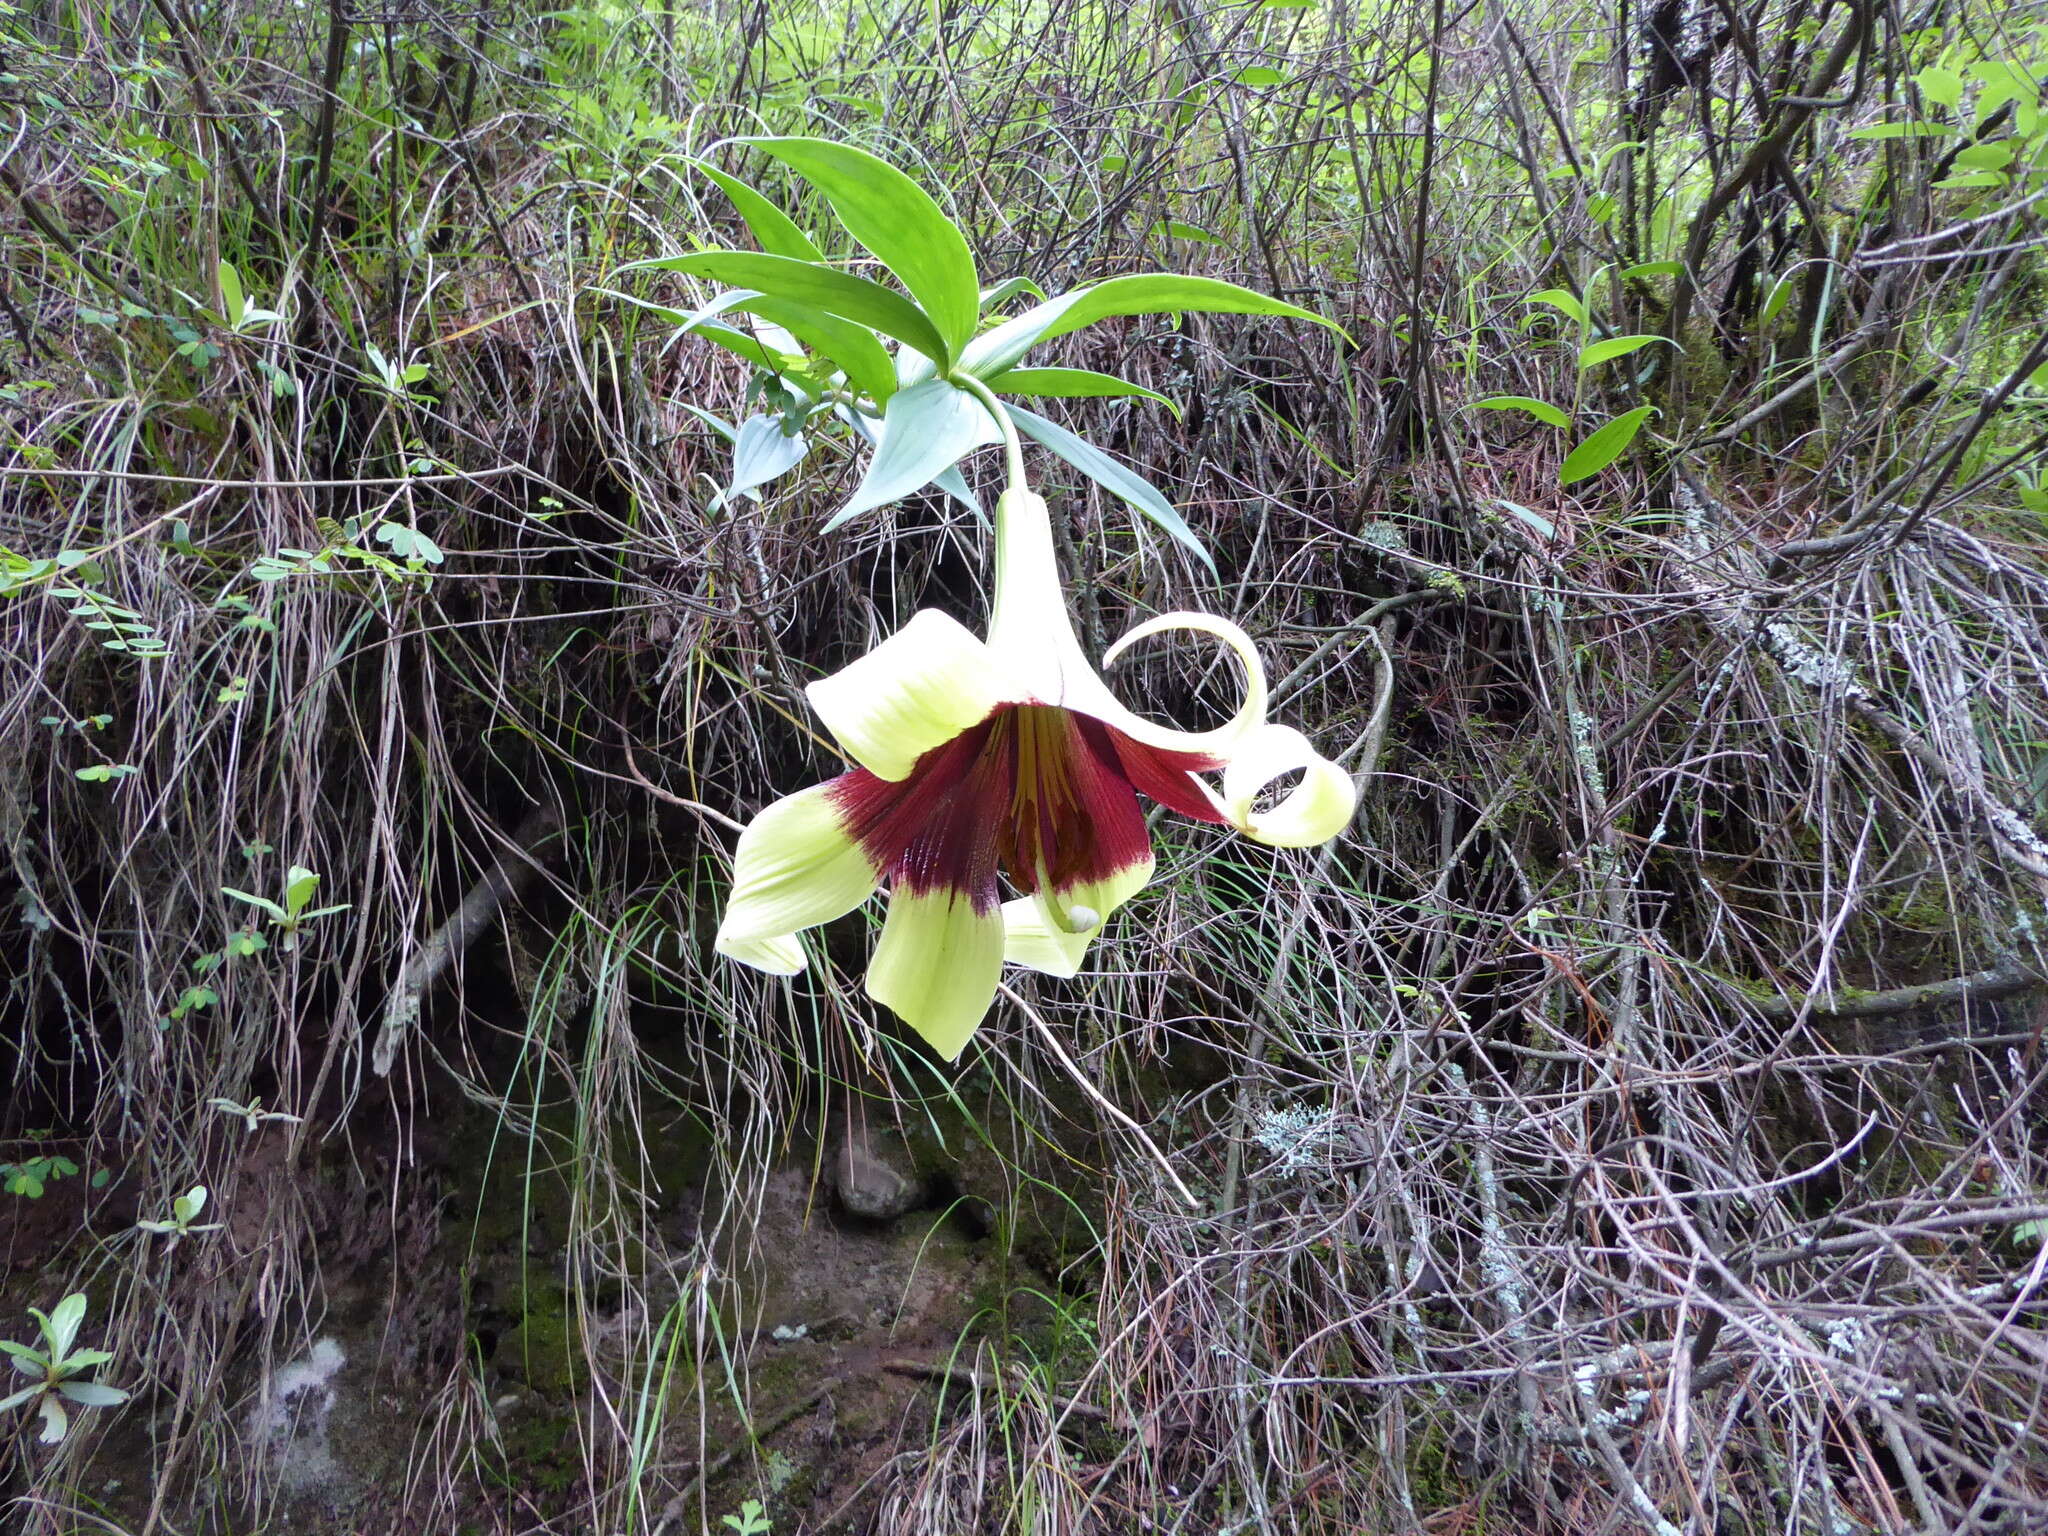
[(1146, 293), (826, 288), (760, 453), (1596, 353), (847, 345), (1113, 477), (896, 219), (925, 430), (955, 485), (92, 1394), (1542, 410), (1602, 447), (1072, 384), (739, 343), (951, 481), (1001, 293), (775, 230)]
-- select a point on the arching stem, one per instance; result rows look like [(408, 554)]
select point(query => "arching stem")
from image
[(1013, 448)]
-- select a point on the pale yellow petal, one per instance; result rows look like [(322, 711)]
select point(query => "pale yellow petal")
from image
[(1034, 936), (1314, 811), (917, 690), (795, 867), (782, 956), (937, 965)]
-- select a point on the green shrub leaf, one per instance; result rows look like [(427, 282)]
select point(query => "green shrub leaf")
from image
[(1614, 346), (1604, 446), (1542, 410)]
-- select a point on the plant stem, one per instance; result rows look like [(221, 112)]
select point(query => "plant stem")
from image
[(1013, 449)]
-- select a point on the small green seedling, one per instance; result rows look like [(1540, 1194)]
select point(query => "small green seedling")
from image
[(53, 1367), (750, 1521), (397, 377), (30, 1176), (292, 912), (236, 309), (185, 1213)]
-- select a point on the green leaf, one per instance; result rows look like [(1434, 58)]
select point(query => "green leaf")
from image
[(955, 485), (1170, 293), (1604, 446), (1542, 410), (1984, 157), (233, 301), (60, 1328), (761, 452), (99, 773), (896, 219), (1260, 74), (92, 1394), (776, 231), (1146, 293), (1776, 300), (741, 344), (1560, 298), (1972, 179), (1008, 289), (735, 341), (1652, 269), (1614, 346), (826, 288), (263, 902), (409, 543), (849, 346), (299, 885), (1548, 529), (1072, 384), (1180, 229), (1943, 87), (924, 429), (1906, 130), (1113, 477)]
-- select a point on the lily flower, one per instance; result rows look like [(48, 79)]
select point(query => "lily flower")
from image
[(1005, 760)]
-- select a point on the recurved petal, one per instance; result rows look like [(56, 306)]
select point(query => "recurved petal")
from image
[(917, 690), (1092, 695), (937, 965), (795, 867), (1314, 811), (1034, 937)]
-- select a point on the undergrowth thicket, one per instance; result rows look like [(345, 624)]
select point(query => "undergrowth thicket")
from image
[(1633, 1123)]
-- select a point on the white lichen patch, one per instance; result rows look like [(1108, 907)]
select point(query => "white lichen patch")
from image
[(1296, 1136), (290, 1422)]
